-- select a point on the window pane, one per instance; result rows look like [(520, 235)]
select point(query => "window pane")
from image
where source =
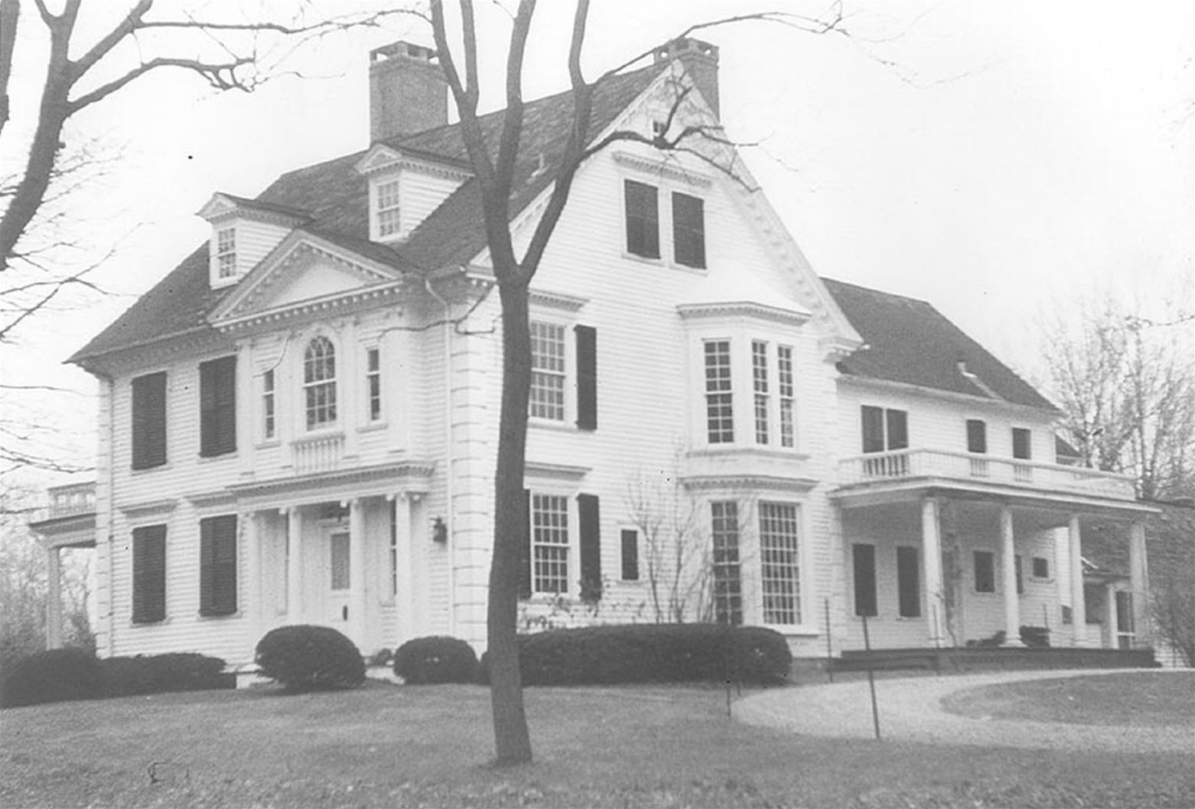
[(1041, 567), (781, 565), (898, 429), (319, 375), (728, 586), (718, 404), (630, 555), (977, 436), (1021, 444), (149, 421), (340, 550)]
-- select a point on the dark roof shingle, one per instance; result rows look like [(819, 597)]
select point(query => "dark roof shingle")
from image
[(909, 341)]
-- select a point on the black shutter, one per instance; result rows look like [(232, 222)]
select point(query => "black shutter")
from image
[(873, 429), (898, 429), (688, 230), (149, 420), (149, 574), (525, 549), (591, 544), (630, 554), (908, 582), (643, 219), (1022, 446), (865, 580), (218, 565), (586, 377), (217, 406), (977, 436)]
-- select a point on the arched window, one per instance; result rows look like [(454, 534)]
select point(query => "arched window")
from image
[(319, 382)]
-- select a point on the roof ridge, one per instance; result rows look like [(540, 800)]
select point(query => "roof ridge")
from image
[(879, 291)]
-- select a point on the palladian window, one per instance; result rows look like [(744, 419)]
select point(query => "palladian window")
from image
[(319, 382)]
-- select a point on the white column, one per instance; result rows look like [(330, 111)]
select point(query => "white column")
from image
[(1111, 619), (404, 599), (294, 566), (1078, 605), (54, 599), (1139, 581), (1008, 562), (931, 562), (357, 573), (253, 595)]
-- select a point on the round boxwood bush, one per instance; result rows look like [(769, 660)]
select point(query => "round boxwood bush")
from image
[(156, 674), (55, 675), (436, 659), (307, 658)]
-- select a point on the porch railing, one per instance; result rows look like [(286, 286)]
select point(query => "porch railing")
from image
[(916, 463), (317, 453)]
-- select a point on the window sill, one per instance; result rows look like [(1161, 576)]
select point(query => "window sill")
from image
[(232, 615), (149, 470), (149, 624), (554, 426), (224, 456), (269, 443), (373, 427)]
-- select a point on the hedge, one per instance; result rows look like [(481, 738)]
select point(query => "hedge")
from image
[(306, 658), (643, 653), (436, 659), (157, 674), (55, 675)]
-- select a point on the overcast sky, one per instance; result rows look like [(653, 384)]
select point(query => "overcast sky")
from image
[(1000, 160)]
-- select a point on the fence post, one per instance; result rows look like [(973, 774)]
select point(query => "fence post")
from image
[(871, 680)]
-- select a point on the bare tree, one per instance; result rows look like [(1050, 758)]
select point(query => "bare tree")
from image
[(493, 166), (1126, 387), (1172, 578)]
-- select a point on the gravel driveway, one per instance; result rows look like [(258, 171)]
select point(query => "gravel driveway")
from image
[(911, 710)]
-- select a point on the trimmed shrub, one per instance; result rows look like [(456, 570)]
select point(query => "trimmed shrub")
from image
[(436, 659), (55, 675), (307, 658), (157, 674), (642, 653), (1035, 637)]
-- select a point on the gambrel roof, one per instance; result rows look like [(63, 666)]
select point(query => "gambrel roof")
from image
[(334, 196), (910, 342)]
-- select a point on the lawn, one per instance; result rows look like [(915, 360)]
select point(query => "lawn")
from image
[(1163, 698), (392, 746)]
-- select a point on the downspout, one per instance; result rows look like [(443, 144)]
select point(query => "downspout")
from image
[(449, 475)]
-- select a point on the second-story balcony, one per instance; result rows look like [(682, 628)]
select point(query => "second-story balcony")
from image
[(981, 472)]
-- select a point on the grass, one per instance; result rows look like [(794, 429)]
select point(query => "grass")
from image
[(1141, 698), (389, 746)]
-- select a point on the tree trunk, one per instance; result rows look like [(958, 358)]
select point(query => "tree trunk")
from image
[(511, 737)]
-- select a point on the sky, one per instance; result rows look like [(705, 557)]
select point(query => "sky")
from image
[(1003, 161)]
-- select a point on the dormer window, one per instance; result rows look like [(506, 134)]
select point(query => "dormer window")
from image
[(226, 253), (386, 209)]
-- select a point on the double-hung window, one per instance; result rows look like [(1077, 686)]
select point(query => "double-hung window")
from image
[(727, 571), (688, 230), (319, 382), (780, 568), (226, 252), (547, 371), (373, 382), (549, 543), (268, 420), (387, 209), (784, 367), (884, 429), (719, 404), (977, 443), (642, 219), (218, 407), (759, 378)]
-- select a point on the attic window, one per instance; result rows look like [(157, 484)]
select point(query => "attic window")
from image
[(387, 208), (226, 252)]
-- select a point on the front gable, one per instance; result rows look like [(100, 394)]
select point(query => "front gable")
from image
[(304, 273)]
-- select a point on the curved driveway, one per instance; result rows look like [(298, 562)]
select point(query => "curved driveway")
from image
[(910, 710)]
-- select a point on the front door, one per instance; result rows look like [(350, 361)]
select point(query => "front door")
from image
[(340, 564)]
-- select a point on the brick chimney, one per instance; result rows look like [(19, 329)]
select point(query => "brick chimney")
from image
[(407, 91), (700, 60)]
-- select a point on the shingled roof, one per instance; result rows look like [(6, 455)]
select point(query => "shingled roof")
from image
[(334, 197), (909, 341)]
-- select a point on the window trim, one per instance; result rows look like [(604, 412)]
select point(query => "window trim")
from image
[(567, 398), (800, 580), (736, 565), (333, 402), (380, 231), (571, 543), (720, 386)]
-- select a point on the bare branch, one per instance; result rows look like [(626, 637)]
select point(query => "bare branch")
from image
[(221, 76)]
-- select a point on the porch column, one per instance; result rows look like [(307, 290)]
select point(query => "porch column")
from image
[(357, 570), (1008, 563), (251, 599), (1139, 581), (1078, 605), (294, 566), (931, 556), (54, 599), (403, 584), (1111, 618)]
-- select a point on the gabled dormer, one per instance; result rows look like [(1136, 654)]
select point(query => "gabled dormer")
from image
[(244, 231), (404, 188)]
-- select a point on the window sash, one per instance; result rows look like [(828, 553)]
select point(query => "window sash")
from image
[(688, 230), (780, 557), (388, 212), (549, 543), (873, 428), (719, 409), (268, 418), (548, 371), (226, 256), (727, 572), (319, 382), (759, 379), (642, 219), (373, 381), (630, 554), (977, 436), (1022, 444), (784, 378)]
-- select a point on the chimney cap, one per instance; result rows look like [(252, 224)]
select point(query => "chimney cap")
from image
[(405, 50), (685, 47)]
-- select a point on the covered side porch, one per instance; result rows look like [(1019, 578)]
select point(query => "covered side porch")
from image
[(956, 556)]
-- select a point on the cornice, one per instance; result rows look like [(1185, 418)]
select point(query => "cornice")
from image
[(148, 507), (747, 309), (557, 300), (326, 305), (555, 471), (663, 168), (937, 393), (381, 160), (748, 482), (412, 476)]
